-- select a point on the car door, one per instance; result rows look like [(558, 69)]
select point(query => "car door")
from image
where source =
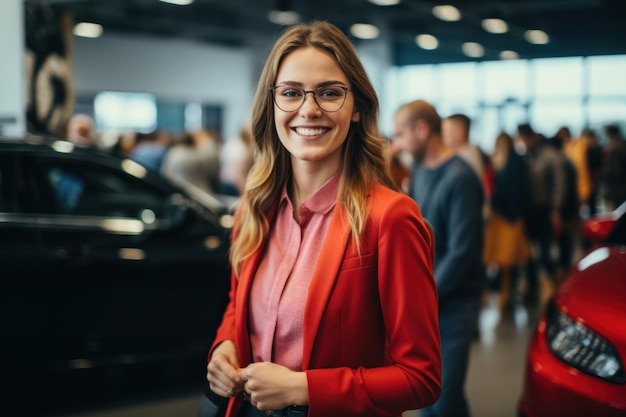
[(18, 243), (123, 269)]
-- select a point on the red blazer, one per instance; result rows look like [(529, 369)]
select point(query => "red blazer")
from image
[(371, 335)]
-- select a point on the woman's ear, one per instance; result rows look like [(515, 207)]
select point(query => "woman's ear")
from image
[(356, 116)]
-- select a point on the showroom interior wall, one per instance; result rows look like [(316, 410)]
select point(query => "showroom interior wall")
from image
[(169, 69), (12, 93)]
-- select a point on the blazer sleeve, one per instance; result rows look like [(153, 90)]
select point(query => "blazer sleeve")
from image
[(227, 330), (409, 377)]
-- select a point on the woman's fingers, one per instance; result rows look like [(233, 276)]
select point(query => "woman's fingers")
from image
[(223, 378)]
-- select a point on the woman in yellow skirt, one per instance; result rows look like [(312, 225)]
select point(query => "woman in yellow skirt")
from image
[(506, 244)]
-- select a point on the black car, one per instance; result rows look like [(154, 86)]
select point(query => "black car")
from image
[(114, 280)]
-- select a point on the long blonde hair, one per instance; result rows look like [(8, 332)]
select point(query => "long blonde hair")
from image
[(364, 156)]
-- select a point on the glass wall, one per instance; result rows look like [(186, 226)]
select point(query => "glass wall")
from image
[(578, 92)]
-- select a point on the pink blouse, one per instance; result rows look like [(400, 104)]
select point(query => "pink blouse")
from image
[(279, 290)]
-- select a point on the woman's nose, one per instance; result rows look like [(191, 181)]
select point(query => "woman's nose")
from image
[(310, 106)]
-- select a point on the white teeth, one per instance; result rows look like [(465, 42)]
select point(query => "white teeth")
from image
[(309, 132)]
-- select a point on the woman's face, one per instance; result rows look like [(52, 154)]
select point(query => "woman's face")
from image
[(310, 134)]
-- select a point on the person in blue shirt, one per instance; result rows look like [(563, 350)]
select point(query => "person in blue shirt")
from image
[(150, 149), (451, 197)]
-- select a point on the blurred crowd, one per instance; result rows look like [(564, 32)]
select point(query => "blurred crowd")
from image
[(538, 187), (199, 158)]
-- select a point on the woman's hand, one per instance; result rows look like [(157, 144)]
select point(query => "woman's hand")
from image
[(271, 387), (223, 370)]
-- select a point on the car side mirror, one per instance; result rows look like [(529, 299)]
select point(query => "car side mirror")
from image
[(599, 227)]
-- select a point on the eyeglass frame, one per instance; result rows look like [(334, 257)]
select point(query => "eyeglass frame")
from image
[(304, 95)]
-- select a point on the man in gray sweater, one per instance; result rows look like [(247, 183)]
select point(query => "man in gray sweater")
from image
[(450, 196)]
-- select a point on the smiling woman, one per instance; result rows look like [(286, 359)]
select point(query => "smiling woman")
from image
[(332, 292)]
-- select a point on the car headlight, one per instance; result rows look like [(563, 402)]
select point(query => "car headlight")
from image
[(582, 348)]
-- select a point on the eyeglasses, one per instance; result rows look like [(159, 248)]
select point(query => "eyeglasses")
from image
[(328, 98)]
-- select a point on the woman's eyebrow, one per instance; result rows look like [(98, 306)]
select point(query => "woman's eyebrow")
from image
[(322, 84), (291, 83), (335, 82)]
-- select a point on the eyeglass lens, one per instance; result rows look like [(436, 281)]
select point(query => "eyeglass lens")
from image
[(329, 98)]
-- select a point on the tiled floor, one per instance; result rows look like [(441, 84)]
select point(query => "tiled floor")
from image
[(493, 385)]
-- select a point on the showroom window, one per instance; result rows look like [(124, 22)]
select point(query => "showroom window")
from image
[(578, 92), (122, 111)]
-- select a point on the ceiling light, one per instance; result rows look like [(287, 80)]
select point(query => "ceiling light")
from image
[(473, 49), (385, 2), (426, 41), (364, 31), (87, 30), (447, 12), (178, 2), (282, 17), (495, 25), (509, 55), (538, 37)]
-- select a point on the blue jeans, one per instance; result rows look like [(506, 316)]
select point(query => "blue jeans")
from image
[(248, 410), (458, 318)]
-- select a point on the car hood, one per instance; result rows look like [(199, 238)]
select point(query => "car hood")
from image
[(595, 293)]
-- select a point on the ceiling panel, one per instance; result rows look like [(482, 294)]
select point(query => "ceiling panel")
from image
[(575, 27)]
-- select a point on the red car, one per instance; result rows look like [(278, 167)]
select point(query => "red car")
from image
[(575, 363)]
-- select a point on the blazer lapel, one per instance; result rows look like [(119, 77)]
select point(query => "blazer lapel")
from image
[(323, 279)]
